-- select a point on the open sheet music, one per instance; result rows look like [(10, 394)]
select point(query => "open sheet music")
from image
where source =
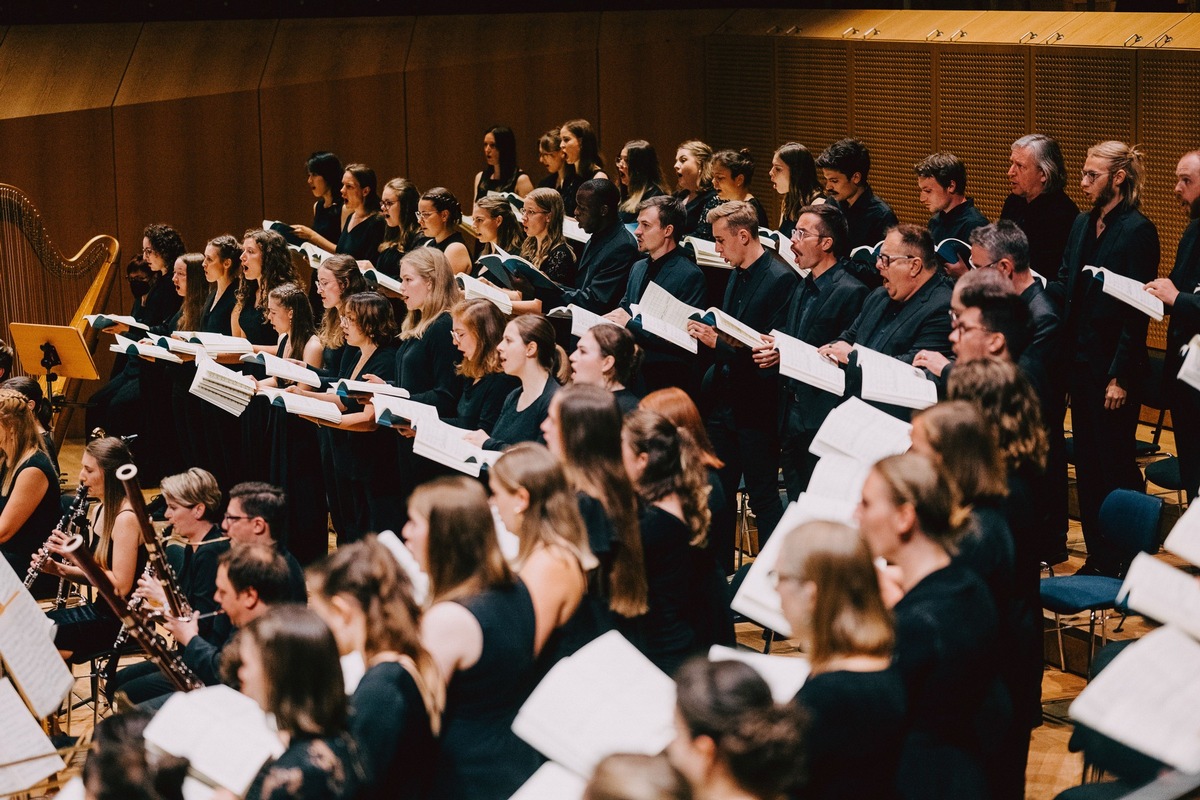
[(314, 254), (800, 361), (572, 231), (278, 367), (1162, 592), (303, 406), (552, 782), (704, 253), (224, 734), (731, 326), (473, 289), (284, 230), (377, 278), (143, 350), (757, 598), (402, 411), (666, 316), (1148, 698), (839, 477), (347, 387), (1127, 290), (27, 648), (606, 698), (783, 246), (863, 432), (104, 321), (1189, 370), (444, 443), (24, 746), (1184, 538), (582, 320), (890, 380), (408, 562), (214, 344), (227, 390), (785, 676)]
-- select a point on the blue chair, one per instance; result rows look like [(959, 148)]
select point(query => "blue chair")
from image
[(1128, 520), (1165, 473)]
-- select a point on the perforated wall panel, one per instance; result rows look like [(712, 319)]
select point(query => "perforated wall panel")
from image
[(740, 75), (892, 99), (814, 95), (981, 110)]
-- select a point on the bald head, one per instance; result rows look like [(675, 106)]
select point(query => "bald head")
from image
[(1187, 183)]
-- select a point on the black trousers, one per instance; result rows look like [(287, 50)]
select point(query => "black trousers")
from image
[(750, 452), (1105, 457), (1184, 402), (795, 461)]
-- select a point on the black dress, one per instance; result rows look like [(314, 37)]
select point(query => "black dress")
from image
[(945, 654), (390, 725), (515, 425), (489, 184), (363, 240), (481, 400), (255, 463), (218, 436), (480, 757), (560, 265), (856, 722), (311, 768), (667, 638), (21, 546), (426, 367), (626, 400), (294, 460), (331, 362), (327, 219), (453, 238)]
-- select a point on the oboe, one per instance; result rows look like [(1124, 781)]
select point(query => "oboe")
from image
[(71, 521), (142, 630), (177, 602)]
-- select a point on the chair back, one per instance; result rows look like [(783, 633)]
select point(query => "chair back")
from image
[(1130, 520)]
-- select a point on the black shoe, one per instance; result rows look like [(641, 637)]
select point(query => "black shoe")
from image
[(1056, 558), (1092, 568)]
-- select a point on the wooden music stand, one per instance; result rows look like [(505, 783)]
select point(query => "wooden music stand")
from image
[(59, 349)]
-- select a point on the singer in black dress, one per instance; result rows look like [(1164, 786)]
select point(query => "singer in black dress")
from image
[(218, 433), (363, 230), (29, 496), (477, 327), (439, 214)]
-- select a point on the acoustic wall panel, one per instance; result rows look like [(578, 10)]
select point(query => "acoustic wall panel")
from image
[(740, 75), (1081, 97), (893, 115), (979, 118), (814, 94)]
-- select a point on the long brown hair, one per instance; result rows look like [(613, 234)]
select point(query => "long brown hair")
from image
[(368, 574), (590, 425), (966, 446), (293, 299), (195, 291), (674, 404), (486, 323), (668, 470), (1007, 399), (849, 617), (110, 453), (277, 268), (351, 281), (464, 555)]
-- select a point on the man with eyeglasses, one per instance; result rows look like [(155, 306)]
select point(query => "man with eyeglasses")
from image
[(1105, 339), (826, 304), (910, 312), (1038, 203), (256, 514)]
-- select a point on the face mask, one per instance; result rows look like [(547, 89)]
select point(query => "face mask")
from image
[(139, 288)]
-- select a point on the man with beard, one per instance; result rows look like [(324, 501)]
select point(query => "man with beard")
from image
[(1179, 295), (1105, 339), (1038, 203)]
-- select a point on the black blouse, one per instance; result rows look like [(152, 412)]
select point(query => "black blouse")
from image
[(445, 243), (327, 220), (560, 265), (253, 320), (310, 769), (481, 401), (390, 725), (515, 426), (45, 516), (364, 455), (425, 366), (489, 184), (218, 312), (363, 240)]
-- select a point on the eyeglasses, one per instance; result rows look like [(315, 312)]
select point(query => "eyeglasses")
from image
[(962, 329), (776, 578), (423, 215), (386, 204), (1089, 175), (800, 233), (235, 517), (973, 265), (534, 212), (149, 251), (886, 260)]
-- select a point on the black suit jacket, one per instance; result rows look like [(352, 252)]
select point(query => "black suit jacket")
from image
[(922, 324), (1185, 314), (1098, 330), (762, 304), (831, 311), (680, 276), (603, 270)]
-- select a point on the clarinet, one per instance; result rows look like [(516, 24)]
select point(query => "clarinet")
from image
[(139, 627), (73, 519)]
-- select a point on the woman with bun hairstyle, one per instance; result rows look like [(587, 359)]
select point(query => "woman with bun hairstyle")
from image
[(732, 740), (607, 356), (439, 212), (732, 172), (854, 702), (946, 626), (693, 185)]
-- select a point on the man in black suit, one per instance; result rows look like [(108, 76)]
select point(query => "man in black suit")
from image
[(1038, 204), (742, 422), (942, 184), (1105, 339), (660, 224), (911, 311), (1179, 296), (609, 254), (844, 167), (828, 301)]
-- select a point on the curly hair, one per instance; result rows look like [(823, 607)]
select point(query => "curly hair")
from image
[(277, 266), (165, 241), (1006, 397), (670, 469)]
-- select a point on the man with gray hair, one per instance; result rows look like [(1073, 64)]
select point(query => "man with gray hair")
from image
[(1038, 203)]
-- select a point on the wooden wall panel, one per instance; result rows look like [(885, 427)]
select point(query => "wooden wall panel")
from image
[(186, 128), (313, 97), (980, 132), (814, 99), (530, 72), (663, 107), (741, 105), (893, 101)]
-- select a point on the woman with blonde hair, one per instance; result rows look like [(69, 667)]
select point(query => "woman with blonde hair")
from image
[(496, 227), (479, 628), (635, 776), (854, 702), (530, 492), (29, 496), (477, 326), (693, 185), (544, 246), (945, 622), (366, 599)]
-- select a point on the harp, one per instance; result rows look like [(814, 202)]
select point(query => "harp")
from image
[(43, 286)]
